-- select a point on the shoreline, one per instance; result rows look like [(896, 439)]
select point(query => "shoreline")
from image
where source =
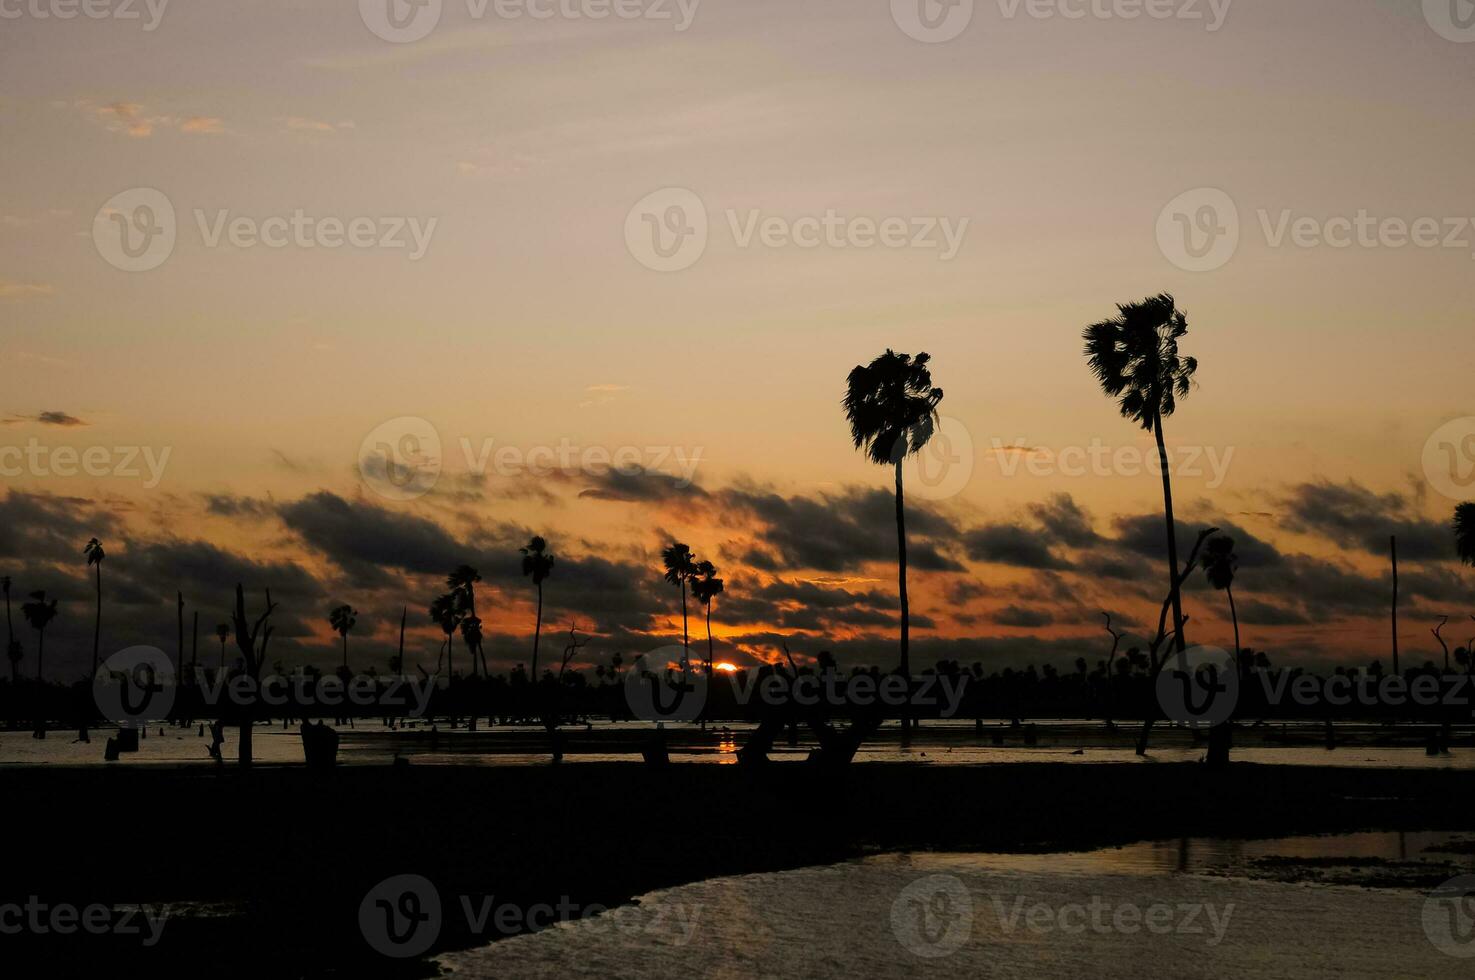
[(296, 851)]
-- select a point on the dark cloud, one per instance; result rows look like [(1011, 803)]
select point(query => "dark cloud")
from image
[(635, 486), (843, 531), (1013, 545), (1023, 616), (364, 539), (1353, 517), (1065, 521)]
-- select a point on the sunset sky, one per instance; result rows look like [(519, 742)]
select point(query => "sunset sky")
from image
[(530, 321)]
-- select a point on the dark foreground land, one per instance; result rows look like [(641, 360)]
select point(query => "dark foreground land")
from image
[(290, 853)]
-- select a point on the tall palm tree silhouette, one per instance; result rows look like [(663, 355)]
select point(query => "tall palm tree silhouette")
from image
[(537, 564), (1220, 564), (342, 619), (462, 583), (471, 634), (1464, 528), (892, 409), (12, 645), (446, 613), (39, 613), (1134, 355), (95, 555), (680, 568), (706, 586), (222, 633)]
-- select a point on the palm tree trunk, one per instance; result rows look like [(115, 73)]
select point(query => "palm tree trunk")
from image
[(40, 654), (685, 639), (97, 622), (403, 612), (1162, 455), (1234, 618), (709, 637), (345, 653), (901, 585), (537, 630)]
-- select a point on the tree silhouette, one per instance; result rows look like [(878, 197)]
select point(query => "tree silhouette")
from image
[(462, 583), (222, 633), (1134, 355), (12, 645), (706, 586), (537, 564), (39, 613), (1464, 527), (95, 555), (1220, 564), (446, 613), (892, 409), (252, 639), (342, 619), (680, 568)]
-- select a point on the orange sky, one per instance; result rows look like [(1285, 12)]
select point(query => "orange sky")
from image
[(518, 149)]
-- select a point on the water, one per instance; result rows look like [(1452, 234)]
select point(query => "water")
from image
[(950, 743), (1008, 916)]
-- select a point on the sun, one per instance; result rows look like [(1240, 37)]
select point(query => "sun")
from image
[(729, 668)]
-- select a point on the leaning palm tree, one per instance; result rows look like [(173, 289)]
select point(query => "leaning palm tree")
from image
[(462, 583), (1220, 564), (446, 613), (12, 645), (222, 633), (680, 569), (892, 409), (1464, 527), (39, 613), (1134, 355), (95, 555), (342, 619), (537, 564), (705, 587)]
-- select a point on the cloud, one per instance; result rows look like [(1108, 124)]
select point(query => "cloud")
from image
[(131, 119), (634, 486), (1013, 545), (1021, 616), (364, 539), (304, 124), (9, 289), (201, 125), (61, 419), (1354, 518)]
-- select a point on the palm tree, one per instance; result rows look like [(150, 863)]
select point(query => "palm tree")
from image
[(462, 583), (680, 569), (537, 564), (95, 555), (446, 613), (471, 634), (1464, 527), (1220, 564), (39, 613), (892, 409), (222, 633), (12, 645), (705, 587), (1134, 356), (342, 619)]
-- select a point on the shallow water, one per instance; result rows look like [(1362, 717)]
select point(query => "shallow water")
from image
[(950, 743), (1174, 909)]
